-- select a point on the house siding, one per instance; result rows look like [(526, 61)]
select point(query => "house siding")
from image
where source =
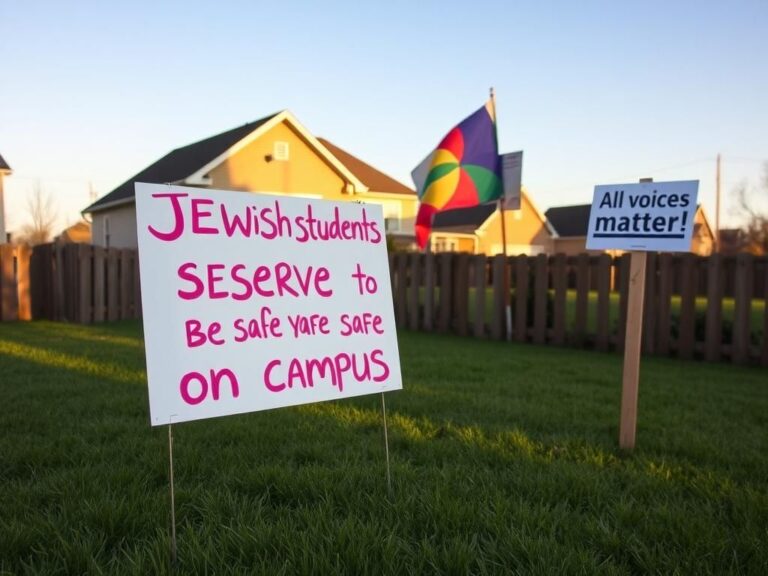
[(122, 227), (253, 168), (702, 241), (305, 172), (526, 232)]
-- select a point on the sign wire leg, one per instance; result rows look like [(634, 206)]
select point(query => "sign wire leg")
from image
[(173, 499), (386, 443)]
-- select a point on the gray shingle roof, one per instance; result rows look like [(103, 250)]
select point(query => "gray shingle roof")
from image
[(569, 220), (367, 174), (179, 163), (464, 219), (185, 161)]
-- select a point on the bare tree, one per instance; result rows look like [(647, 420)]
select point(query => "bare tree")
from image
[(752, 207), (41, 214)]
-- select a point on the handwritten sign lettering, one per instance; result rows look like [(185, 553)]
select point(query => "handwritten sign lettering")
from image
[(253, 301)]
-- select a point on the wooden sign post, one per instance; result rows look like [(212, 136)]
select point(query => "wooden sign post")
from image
[(640, 218), (630, 380), (632, 344)]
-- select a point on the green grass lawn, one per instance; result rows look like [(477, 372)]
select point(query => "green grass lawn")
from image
[(504, 460)]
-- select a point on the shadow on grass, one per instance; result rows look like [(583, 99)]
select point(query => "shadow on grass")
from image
[(515, 445), (120, 333), (84, 365)]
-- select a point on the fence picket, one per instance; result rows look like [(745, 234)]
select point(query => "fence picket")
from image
[(413, 290), (521, 299), (23, 254), (9, 303), (429, 291), (603, 301), (85, 281), (125, 284), (136, 287), (687, 336), (479, 263), (714, 320), (541, 297), (624, 264), (98, 284), (446, 292), (651, 302), (742, 309), (461, 294), (71, 282), (498, 316), (58, 283), (113, 304), (560, 281), (764, 355), (582, 298), (663, 303)]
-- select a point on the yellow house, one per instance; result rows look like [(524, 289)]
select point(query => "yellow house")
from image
[(572, 223), (274, 155), (478, 230), (78, 233)]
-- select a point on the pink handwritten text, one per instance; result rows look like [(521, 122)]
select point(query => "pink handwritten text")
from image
[(282, 279), (305, 373)]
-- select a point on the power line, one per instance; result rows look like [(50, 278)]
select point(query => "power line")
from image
[(743, 159)]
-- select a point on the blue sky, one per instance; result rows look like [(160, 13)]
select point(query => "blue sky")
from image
[(594, 92)]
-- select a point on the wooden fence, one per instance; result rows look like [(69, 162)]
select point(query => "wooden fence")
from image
[(14, 283), (581, 301), (710, 308), (69, 282)]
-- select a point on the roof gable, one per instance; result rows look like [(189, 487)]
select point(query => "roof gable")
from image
[(4, 165), (200, 176), (178, 164), (710, 231), (477, 217), (569, 220), (77, 233), (464, 219), (191, 164), (372, 178)]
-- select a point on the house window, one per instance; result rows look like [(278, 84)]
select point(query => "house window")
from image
[(392, 216), (281, 151), (446, 245), (106, 232)]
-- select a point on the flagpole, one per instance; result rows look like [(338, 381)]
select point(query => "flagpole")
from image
[(508, 308)]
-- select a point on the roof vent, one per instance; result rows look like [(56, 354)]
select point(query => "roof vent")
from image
[(280, 151)]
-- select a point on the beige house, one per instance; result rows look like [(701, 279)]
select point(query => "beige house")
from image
[(78, 233), (478, 230), (273, 155), (572, 223)]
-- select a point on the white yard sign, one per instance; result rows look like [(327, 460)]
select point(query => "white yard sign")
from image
[(252, 301), (512, 177), (647, 216)]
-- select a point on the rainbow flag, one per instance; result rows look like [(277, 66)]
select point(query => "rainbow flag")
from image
[(464, 170)]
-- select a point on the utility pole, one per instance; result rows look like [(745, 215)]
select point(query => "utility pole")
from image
[(717, 205)]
